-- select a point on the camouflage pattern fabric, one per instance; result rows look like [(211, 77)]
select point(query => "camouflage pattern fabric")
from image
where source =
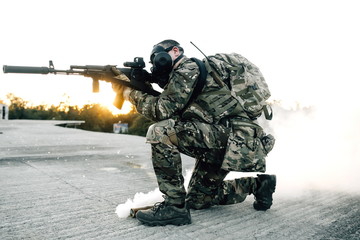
[(202, 133), (245, 151), (173, 99), (207, 186), (168, 170), (245, 81)]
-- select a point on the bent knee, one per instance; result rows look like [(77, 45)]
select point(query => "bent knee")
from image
[(162, 132)]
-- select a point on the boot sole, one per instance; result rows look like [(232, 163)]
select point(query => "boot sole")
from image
[(260, 207)]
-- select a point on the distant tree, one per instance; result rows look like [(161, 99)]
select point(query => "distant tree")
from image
[(96, 116), (17, 108), (139, 125), (73, 113)]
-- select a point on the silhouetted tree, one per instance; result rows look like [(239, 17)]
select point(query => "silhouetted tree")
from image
[(96, 116)]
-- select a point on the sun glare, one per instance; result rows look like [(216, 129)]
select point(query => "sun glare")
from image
[(127, 107), (105, 97)]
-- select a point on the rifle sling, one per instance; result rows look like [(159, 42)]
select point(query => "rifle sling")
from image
[(201, 79), (200, 82)]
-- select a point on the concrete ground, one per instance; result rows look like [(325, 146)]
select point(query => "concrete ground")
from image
[(61, 183)]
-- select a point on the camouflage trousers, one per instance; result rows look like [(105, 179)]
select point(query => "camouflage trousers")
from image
[(206, 143)]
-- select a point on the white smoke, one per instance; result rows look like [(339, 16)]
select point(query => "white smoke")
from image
[(145, 199), (317, 148), (140, 200)]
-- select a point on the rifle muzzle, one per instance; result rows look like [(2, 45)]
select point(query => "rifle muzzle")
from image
[(20, 69)]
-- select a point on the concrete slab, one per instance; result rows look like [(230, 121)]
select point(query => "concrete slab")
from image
[(61, 183)]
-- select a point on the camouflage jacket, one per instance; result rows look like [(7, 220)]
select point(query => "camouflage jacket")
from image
[(212, 106), (175, 96), (173, 101)]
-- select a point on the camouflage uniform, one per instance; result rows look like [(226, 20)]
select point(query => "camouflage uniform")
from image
[(200, 132)]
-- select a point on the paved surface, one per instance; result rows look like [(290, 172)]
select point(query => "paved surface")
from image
[(60, 183)]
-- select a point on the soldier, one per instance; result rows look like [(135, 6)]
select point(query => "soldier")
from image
[(184, 124)]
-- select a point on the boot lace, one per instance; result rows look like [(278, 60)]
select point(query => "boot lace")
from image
[(159, 205)]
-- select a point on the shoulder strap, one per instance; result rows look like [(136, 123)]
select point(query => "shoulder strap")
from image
[(201, 80)]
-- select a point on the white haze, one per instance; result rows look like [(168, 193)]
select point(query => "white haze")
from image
[(317, 148)]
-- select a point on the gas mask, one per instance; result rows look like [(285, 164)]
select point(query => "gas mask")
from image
[(162, 64)]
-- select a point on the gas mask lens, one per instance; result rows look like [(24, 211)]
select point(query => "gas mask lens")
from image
[(162, 61), (157, 50)]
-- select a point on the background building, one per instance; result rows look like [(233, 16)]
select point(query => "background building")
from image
[(121, 127)]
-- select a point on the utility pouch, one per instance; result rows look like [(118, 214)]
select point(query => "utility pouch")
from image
[(268, 141), (245, 151)]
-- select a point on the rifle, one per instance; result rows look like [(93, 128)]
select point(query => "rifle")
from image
[(140, 79)]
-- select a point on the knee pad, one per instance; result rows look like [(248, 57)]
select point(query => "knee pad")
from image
[(162, 132)]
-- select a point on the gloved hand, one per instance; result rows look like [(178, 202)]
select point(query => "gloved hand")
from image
[(122, 94), (119, 88), (119, 75), (119, 98), (137, 82)]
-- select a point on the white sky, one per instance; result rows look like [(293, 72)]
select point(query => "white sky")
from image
[(305, 49)]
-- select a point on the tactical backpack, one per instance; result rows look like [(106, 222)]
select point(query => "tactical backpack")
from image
[(242, 85), (244, 80)]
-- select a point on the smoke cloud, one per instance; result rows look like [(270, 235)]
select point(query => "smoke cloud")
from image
[(145, 199), (317, 148)]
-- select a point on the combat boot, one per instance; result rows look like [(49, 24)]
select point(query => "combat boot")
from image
[(163, 214), (265, 187)]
